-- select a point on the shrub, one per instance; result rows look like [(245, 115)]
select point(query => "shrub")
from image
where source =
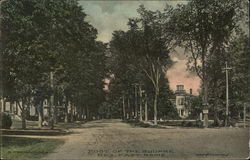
[(217, 124), (232, 122), (145, 125), (189, 124), (32, 118), (183, 123), (199, 124), (6, 121)]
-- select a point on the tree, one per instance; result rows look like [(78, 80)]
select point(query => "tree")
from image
[(124, 68), (156, 43), (240, 75), (44, 37), (145, 49), (166, 108), (20, 45), (205, 28), (196, 106)]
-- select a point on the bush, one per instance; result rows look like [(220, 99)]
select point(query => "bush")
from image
[(32, 118), (217, 124), (6, 121), (183, 123), (232, 122), (199, 124), (189, 124)]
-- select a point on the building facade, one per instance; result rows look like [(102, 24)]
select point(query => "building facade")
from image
[(182, 101), (13, 108)]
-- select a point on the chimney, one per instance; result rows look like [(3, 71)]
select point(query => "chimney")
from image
[(191, 91)]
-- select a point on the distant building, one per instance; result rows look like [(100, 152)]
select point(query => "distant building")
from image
[(182, 101), (13, 108)]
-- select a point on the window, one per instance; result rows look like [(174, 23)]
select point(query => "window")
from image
[(181, 101), (180, 87)]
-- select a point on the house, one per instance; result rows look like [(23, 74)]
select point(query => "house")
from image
[(13, 108), (182, 101), (31, 113)]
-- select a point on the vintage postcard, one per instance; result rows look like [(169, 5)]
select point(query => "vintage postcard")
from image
[(124, 80)]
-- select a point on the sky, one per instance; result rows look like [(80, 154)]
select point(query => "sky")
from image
[(107, 16)]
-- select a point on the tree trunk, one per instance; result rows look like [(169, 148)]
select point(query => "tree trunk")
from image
[(4, 105), (56, 114), (11, 106), (146, 108), (79, 113), (205, 104), (23, 114), (16, 108), (88, 115), (123, 107), (216, 118), (244, 115), (52, 107), (136, 108), (40, 114), (66, 118), (140, 102), (83, 112), (204, 84), (155, 107), (74, 113), (1, 104), (71, 113), (129, 110)]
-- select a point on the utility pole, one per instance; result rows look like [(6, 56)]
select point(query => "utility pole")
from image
[(227, 95)]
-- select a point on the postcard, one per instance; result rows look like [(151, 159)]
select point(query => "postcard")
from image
[(124, 80)]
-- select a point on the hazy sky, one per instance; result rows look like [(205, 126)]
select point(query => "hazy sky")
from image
[(108, 16)]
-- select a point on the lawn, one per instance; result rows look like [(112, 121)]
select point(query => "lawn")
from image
[(15, 148)]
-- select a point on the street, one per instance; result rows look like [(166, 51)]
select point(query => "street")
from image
[(113, 139)]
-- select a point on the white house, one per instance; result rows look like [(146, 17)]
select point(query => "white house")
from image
[(182, 101)]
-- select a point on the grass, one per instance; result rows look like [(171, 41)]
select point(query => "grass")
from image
[(17, 124), (15, 148)]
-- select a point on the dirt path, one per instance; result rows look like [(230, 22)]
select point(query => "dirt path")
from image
[(112, 139)]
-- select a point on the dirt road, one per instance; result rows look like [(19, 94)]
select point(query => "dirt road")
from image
[(112, 139)]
